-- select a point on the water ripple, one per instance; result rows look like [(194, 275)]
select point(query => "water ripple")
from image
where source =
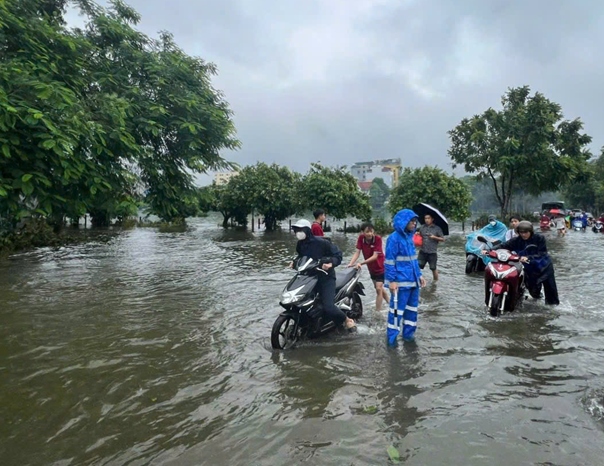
[(153, 348)]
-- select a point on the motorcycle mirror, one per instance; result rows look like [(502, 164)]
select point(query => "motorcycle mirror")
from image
[(482, 239)]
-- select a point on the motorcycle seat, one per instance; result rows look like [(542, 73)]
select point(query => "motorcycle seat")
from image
[(343, 277)]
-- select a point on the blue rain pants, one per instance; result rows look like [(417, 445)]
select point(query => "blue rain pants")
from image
[(405, 314)]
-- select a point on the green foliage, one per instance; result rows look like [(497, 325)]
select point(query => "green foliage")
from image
[(230, 200), (272, 191), (382, 227), (526, 145), (336, 191), (276, 193), (433, 186), (586, 189), (394, 454), (92, 118), (378, 193)]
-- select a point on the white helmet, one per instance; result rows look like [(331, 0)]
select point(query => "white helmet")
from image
[(302, 223)]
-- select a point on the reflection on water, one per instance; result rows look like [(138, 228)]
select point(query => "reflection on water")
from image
[(154, 349)]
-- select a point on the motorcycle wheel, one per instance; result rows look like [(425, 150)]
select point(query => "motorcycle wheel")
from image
[(470, 264), (357, 307), (495, 305), (282, 334)]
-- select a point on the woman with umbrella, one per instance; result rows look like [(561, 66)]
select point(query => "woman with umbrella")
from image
[(558, 219)]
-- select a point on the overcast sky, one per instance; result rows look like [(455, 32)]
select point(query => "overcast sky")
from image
[(341, 81)]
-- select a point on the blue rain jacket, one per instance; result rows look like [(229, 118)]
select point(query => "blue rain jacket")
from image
[(401, 259), (473, 246)]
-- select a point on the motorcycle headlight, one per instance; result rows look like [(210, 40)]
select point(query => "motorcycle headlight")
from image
[(292, 296)]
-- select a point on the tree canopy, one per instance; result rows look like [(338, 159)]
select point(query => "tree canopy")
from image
[(336, 191), (95, 119), (378, 193), (525, 145), (277, 193), (433, 186), (586, 191), (272, 191)]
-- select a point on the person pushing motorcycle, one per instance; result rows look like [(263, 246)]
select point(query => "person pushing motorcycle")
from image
[(330, 256), (538, 266)]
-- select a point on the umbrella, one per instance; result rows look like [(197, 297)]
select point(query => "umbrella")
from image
[(556, 212), (422, 209)]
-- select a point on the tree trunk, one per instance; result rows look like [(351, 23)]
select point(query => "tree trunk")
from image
[(270, 223), (100, 218), (225, 221), (57, 221)]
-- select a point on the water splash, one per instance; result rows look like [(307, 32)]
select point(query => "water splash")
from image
[(593, 402)]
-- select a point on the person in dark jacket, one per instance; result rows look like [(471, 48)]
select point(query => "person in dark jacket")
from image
[(538, 266), (330, 255)]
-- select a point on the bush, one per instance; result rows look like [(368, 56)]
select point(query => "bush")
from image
[(350, 228), (382, 227)]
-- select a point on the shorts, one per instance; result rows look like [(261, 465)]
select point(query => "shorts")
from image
[(424, 257), (377, 277)]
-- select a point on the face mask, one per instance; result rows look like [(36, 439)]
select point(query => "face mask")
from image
[(493, 223), (301, 235)]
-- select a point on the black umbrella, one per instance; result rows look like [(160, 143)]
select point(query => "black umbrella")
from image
[(422, 209)]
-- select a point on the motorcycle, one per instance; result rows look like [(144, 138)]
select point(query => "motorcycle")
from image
[(545, 223), (303, 316), (475, 261), (598, 227), (503, 280), (577, 224)]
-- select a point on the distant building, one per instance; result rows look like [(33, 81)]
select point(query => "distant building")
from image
[(388, 170), (223, 178)]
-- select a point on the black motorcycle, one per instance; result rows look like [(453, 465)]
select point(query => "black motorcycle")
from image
[(303, 316)]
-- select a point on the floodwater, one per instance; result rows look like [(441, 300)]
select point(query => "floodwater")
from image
[(154, 349)]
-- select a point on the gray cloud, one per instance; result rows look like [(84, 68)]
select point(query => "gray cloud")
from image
[(339, 81)]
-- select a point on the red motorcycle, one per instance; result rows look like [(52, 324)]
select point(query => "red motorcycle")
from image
[(545, 223), (503, 281)]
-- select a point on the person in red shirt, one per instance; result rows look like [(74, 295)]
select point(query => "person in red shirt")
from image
[(316, 228), (370, 245)]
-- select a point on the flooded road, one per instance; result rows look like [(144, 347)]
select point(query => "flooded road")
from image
[(155, 349)]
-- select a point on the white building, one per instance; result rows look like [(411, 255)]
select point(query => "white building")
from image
[(388, 170), (223, 178)]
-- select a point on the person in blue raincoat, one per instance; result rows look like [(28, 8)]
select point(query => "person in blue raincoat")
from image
[(403, 276), (493, 230)]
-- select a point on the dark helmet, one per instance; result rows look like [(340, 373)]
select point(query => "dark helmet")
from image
[(524, 226)]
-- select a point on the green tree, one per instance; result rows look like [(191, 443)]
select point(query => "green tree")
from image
[(588, 192), (230, 200), (433, 186), (526, 145), (182, 122), (92, 118), (336, 191), (272, 190), (378, 193), (599, 183)]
